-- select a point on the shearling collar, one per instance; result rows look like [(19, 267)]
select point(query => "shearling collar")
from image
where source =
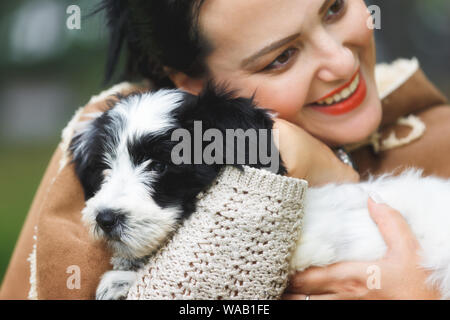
[(404, 89)]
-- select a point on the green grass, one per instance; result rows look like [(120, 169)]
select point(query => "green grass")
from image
[(21, 170)]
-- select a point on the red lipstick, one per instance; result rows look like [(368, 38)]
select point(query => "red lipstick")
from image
[(346, 105)]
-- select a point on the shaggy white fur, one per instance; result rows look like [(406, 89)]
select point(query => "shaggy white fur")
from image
[(337, 226)]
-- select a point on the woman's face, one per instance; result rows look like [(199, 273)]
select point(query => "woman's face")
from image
[(294, 54)]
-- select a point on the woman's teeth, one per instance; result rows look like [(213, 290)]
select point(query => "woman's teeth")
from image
[(344, 94)]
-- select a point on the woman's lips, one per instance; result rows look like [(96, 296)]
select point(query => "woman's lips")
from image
[(346, 105)]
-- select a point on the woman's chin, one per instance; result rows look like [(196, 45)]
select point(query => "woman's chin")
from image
[(357, 128), (353, 127)]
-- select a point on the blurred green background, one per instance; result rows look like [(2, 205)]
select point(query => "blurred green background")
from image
[(47, 71)]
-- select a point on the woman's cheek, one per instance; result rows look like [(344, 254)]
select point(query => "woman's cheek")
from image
[(281, 93), (287, 101)]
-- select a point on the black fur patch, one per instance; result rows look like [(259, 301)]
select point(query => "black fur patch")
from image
[(175, 185), (88, 150)]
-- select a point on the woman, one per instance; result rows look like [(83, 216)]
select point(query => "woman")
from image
[(313, 62)]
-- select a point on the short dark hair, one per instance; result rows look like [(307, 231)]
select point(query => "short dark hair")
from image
[(153, 34)]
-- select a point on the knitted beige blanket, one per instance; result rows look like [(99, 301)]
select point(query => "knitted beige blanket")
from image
[(237, 245)]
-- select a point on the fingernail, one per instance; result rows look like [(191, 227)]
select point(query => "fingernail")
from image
[(376, 197)]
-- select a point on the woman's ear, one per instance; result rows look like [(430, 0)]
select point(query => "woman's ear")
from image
[(184, 82)]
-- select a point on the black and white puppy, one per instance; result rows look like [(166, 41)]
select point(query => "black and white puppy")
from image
[(136, 196)]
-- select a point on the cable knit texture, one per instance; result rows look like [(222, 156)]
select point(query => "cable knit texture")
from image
[(237, 245)]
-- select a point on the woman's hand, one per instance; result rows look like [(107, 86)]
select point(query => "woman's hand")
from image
[(399, 272), (305, 157)]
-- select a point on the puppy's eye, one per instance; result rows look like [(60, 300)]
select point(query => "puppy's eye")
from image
[(157, 166)]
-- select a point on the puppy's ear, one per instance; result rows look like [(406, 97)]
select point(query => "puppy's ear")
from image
[(246, 129), (85, 148), (83, 125)]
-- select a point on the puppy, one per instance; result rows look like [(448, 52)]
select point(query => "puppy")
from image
[(136, 196)]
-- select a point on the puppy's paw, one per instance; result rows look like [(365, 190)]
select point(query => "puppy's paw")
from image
[(115, 285)]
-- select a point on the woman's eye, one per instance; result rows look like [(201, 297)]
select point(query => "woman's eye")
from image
[(282, 60), (335, 9), (157, 166)]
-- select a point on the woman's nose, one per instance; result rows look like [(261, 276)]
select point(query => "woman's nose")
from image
[(337, 62)]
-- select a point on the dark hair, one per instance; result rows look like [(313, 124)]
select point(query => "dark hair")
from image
[(154, 34)]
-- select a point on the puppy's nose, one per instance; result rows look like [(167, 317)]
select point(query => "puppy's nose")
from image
[(107, 219)]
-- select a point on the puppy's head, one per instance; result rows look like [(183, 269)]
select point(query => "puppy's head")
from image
[(135, 194)]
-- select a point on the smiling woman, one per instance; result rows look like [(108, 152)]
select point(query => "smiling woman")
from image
[(294, 54), (314, 64)]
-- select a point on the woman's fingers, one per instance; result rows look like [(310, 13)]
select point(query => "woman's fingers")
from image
[(292, 296), (305, 157), (330, 279), (393, 227), (314, 280)]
